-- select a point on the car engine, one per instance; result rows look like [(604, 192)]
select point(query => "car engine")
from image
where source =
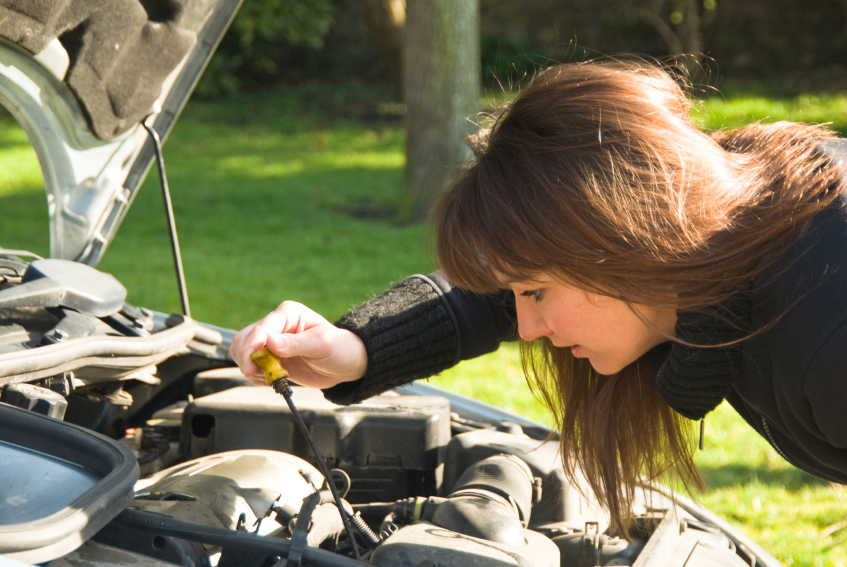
[(127, 437)]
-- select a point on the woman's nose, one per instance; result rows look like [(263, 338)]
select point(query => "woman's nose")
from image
[(531, 325)]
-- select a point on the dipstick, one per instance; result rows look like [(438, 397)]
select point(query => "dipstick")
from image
[(277, 377), (269, 365)]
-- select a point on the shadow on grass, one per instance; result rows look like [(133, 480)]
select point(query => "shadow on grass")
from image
[(793, 480)]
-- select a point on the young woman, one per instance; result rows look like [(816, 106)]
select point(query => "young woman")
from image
[(652, 271)]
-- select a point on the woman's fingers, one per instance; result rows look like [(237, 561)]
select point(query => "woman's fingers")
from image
[(314, 351), (237, 350), (307, 344), (321, 356), (289, 317)]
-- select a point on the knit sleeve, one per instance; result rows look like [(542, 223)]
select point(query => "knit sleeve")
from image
[(696, 374), (417, 329)]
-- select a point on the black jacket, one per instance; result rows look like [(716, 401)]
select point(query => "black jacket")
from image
[(788, 382)]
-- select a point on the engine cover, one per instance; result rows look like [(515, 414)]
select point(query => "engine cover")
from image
[(223, 490), (391, 446), (423, 541)]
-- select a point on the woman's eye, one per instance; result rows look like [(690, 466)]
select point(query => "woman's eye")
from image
[(536, 293)]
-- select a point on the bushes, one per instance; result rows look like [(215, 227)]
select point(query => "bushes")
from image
[(292, 40), (265, 35)]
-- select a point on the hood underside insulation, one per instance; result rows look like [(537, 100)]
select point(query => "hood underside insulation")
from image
[(120, 51)]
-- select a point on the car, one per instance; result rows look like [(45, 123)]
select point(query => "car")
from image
[(128, 436)]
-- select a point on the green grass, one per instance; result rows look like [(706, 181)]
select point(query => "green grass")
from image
[(737, 109), (265, 188), (780, 507)]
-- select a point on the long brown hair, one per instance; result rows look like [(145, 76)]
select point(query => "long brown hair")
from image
[(596, 176)]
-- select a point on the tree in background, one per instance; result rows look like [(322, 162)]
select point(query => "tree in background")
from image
[(253, 48), (441, 82), (386, 19), (680, 23), (288, 41)]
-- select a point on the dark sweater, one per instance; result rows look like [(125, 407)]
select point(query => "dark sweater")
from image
[(788, 382), (418, 328)]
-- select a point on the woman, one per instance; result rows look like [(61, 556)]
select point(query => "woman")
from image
[(652, 270)]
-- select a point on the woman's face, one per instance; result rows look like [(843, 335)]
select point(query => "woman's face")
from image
[(606, 331)]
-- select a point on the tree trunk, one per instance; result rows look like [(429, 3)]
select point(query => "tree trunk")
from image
[(441, 78)]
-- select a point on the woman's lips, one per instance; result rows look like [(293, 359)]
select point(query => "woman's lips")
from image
[(577, 350)]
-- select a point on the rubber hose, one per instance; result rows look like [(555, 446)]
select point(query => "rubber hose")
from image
[(326, 524), (154, 453), (242, 541), (506, 475), (318, 519)]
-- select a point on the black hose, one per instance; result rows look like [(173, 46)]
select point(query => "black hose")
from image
[(241, 541), (153, 454), (506, 475), (155, 440), (311, 527)]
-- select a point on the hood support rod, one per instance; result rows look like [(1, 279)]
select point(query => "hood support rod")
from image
[(169, 212)]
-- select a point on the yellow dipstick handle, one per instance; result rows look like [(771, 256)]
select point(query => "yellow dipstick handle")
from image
[(270, 365)]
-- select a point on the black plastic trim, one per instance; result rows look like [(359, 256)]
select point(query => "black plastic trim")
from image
[(51, 537)]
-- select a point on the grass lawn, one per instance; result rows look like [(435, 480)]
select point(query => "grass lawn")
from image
[(287, 194)]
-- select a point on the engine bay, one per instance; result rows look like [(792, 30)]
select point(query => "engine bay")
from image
[(128, 438)]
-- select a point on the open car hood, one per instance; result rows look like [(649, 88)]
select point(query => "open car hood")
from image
[(80, 77)]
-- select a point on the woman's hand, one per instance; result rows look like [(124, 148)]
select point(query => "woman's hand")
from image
[(315, 352)]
